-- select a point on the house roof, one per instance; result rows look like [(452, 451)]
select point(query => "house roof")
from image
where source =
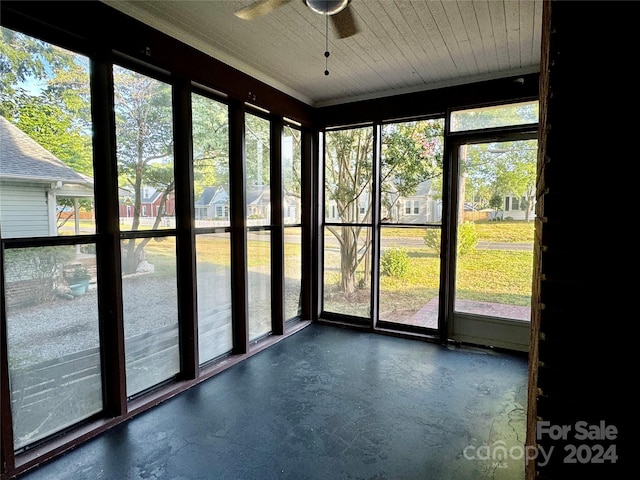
[(259, 195), (24, 159), (212, 195)]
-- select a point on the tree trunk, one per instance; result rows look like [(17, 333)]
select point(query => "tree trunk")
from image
[(348, 261)]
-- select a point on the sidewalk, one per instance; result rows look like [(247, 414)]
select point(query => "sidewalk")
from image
[(427, 316)]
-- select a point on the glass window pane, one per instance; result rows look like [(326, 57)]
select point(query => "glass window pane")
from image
[(257, 150), (411, 172), (348, 175), (144, 132), (291, 171), (213, 264), (494, 263), (46, 159), (259, 283), (53, 339), (210, 162), (347, 270), (410, 276), (150, 304), (292, 272), (494, 116)]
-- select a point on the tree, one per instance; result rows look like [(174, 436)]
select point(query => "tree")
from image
[(291, 166), (210, 144), (495, 170), (411, 154), (516, 167), (144, 133), (44, 90), (348, 165)]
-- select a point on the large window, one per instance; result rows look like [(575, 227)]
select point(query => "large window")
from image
[(144, 135), (399, 188), (258, 208), (212, 209), (47, 224), (292, 211), (494, 116), (411, 178), (347, 238), (496, 228)]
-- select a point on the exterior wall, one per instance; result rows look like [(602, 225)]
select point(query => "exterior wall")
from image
[(514, 214), (149, 209), (24, 211)]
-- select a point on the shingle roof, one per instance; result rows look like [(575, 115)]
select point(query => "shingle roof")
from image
[(206, 196), (22, 158), (212, 196)]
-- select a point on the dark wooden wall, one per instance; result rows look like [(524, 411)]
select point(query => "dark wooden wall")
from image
[(581, 368)]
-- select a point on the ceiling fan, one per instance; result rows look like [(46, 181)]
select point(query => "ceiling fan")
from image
[(339, 11)]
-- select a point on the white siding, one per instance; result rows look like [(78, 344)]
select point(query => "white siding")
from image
[(23, 210)]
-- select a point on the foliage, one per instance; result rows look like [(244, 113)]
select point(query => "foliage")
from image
[(210, 144), (495, 202), (144, 133), (480, 118), (40, 266), (348, 177), (394, 262), (432, 239), (467, 238), (76, 272), (291, 165), (257, 151), (55, 111), (494, 170), (44, 91), (411, 154)]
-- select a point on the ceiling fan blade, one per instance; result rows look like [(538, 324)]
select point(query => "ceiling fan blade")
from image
[(259, 8), (345, 23)]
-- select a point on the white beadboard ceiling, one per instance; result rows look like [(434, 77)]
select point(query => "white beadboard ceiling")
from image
[(402, 45)]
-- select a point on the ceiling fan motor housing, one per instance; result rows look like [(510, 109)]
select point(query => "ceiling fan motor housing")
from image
[(327, 7)]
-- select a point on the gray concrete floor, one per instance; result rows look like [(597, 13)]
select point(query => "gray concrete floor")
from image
[(326, 403)]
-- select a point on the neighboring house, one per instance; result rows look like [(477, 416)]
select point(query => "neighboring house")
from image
[(259, 203), (515, 209), (31, 181), (291, 209), (213, 204), (149, 204), (419, 208)]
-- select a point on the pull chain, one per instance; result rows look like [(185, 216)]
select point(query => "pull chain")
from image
[(326, 44)]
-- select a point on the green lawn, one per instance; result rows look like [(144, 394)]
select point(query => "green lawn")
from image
[(502, 276)]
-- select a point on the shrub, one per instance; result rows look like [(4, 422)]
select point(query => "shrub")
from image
[(432, 239), (467, 238), (38, 267), (394, 262)]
